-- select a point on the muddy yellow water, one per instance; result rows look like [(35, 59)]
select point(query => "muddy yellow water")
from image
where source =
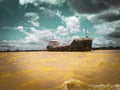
[(60, 70)]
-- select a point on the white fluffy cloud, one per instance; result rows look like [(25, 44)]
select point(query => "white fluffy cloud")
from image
[(21, 44), (20, 28), (61, 31), (33, 18), (36, 35), (36, 40), (104, 42), (75, 37), (37, 2), (39, 35), (72, 22), (107, 27)]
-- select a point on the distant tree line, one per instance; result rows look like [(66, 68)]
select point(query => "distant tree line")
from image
[(108, 48), (98, 48)]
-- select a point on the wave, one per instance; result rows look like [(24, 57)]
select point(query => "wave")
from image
[(79, 85)]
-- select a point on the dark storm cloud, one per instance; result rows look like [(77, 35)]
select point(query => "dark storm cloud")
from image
[(106, 10), (93, 6), (109, 17), (115, 34), (89, 6)]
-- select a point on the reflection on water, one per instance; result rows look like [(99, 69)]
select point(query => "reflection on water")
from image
[(97, 70)]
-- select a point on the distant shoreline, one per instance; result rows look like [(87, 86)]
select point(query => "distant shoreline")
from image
[(57, 51), (25, 51)]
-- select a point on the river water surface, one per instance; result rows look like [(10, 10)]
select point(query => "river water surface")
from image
[(96, 70)]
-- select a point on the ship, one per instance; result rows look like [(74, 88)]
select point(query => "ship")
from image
[(79, 44)]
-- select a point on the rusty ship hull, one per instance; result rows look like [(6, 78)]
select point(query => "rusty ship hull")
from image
[(84, 44)]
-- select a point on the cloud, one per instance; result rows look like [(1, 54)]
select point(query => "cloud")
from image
[(107, 34), (105, 42), (111, 29), (106, 10), (61, 31), (33, 18), (37, 2), (109, 15), (48, 12), (7, 27), (102, 41), (21, 44), (115, 34), (93, 6), (75, 37), (36, 35), (34, 23), (21, 29), (72, 22), (37, 39), (39, 35)]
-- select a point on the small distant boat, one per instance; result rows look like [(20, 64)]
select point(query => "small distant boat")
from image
[(80, 44)]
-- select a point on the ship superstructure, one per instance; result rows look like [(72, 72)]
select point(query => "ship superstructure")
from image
[(53, 44)]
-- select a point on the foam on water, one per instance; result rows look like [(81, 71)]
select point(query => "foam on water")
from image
[(78, 85)]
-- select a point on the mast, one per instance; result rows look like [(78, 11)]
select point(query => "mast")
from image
[(85, 32), (53, 37)]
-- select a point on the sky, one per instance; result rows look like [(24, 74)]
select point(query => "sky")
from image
[(31, 24)]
